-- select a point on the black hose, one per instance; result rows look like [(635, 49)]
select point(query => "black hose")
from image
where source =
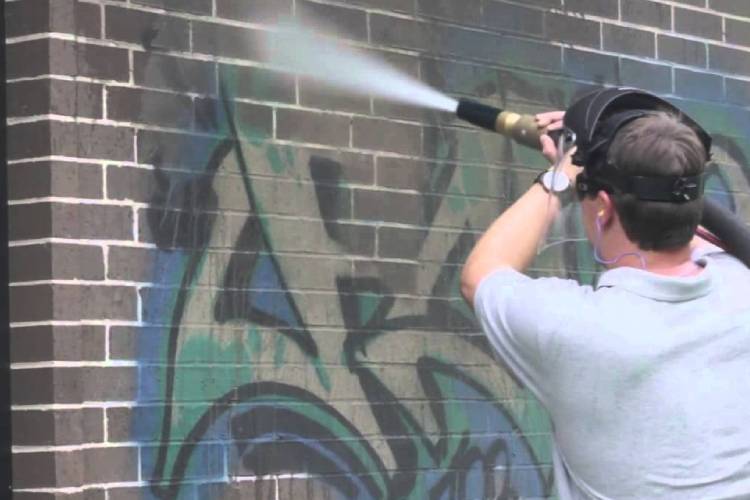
[(730, 229)]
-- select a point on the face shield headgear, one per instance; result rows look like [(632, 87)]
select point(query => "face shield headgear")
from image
[(591, 124)]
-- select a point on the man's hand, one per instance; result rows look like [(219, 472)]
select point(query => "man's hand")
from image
[(552, 120)]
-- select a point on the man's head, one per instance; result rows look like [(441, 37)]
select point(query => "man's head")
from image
[(655, 145), (643, 163)]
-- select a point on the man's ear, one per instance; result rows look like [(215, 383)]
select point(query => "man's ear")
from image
[(605, 208)]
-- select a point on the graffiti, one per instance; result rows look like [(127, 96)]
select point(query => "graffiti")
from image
[(257, 371), (279, 345)]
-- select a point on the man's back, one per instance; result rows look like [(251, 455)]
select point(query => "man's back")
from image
[(645, 376)]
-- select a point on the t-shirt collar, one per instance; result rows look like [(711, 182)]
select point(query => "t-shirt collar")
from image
[(660, 287)]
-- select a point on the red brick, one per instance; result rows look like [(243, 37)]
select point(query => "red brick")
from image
[(73, 385), (153, 31), (136, 264), (702, 24), (307, 126), (574, 30), (174, 73), (82, 140), (54, 178), (42, 343), (56, 261), (736, 7), (465, 12), (258, 83), (383, 135), (58, 427), (52, 96), (350, 23), (72, 302), (149, 107), (69, 220), (227, 41), (61, 16), (34, 470), (257, 11), (190, 6), (83, 59), (629, 41)]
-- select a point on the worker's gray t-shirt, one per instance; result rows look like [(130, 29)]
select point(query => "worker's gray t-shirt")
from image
[(646, 377)]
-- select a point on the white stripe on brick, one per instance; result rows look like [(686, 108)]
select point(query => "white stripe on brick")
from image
[(74, 364)]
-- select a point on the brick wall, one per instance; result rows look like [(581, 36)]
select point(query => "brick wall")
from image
[(231, 283)]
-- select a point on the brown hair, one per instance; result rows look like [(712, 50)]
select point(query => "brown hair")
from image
[(657, 145)]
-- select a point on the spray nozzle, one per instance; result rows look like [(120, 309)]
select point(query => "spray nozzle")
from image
[(521, 128)]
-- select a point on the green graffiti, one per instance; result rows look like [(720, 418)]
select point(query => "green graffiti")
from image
[(274, 159), (279, 351), (368, 304), (456, 201), (254, 343)]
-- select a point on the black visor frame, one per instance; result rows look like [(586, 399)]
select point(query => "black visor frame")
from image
[(673, 189)]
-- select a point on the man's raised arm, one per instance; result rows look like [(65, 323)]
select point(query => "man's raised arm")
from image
[(513, 239)]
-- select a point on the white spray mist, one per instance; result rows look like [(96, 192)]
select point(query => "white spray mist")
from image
[(308, 53)]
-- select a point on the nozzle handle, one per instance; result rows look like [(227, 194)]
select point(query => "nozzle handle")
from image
[(521, 128)]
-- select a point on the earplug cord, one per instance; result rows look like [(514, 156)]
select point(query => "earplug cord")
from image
[(601, 260)]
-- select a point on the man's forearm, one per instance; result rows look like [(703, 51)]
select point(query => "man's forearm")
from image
[(512, 240)]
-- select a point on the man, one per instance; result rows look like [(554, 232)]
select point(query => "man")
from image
[(645, 375)]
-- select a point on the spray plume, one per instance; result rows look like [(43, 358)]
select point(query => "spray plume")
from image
[(314, 53), (309, 53)]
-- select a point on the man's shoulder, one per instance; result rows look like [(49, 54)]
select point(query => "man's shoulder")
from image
[(508, 284), (511, 277), (733, 274)]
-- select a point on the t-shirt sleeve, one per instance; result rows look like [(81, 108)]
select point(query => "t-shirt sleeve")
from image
[(521, 317)]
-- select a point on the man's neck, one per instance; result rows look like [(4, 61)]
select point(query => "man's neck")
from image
[(666, 263)]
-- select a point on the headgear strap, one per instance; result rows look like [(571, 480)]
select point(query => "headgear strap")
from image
[(604, 175)]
